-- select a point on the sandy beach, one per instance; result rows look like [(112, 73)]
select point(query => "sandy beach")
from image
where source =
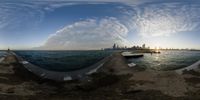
[(114, 81)]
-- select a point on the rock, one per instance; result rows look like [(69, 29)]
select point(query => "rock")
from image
[(132, 91), (10, 90), (131, 65)]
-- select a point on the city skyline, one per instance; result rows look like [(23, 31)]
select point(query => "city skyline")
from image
[(95, 24), (143, 46)]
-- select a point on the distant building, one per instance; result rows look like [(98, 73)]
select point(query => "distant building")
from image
[(118, 47), (8, 50), (143, 46), (114, 46)]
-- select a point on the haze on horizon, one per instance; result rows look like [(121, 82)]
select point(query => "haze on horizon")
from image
[(95, 24)]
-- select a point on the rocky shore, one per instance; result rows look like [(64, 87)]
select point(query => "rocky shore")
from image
[(114, 81)]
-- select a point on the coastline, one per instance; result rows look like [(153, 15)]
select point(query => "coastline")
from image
[(61, 76), (195, 67), (1, 59), (113, 81)]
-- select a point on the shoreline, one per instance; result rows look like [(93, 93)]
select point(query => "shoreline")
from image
[(195, 67), (1, 59), (61, 76), (72, 75), (113, 81)]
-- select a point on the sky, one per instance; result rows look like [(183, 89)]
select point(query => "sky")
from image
[(96, 24)]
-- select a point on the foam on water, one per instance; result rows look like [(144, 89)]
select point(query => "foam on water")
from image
[(2, 54)]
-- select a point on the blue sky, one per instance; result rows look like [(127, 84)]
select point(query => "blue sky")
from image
[(95, 24)]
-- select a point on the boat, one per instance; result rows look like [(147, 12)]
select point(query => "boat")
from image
[(132, 55), (156, 52)]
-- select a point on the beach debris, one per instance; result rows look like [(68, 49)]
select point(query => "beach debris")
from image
[(132, 91), (131, 65), (67, 78), (10, 90), (43, 74), (95, 69), (24, 62), (1, 59)]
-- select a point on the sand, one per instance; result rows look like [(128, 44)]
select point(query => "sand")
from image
[(114, 81), (169, 83)]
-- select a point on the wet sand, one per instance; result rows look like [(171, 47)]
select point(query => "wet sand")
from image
[(114, 81)]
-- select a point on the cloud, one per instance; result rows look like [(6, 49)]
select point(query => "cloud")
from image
[(88, 34), (26, 13), (164, 19), (144, 17), (29, 13), (18, 15), (23, 14), (150, 17), (132, 2)]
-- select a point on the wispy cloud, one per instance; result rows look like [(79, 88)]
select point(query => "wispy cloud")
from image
[(164, 19), (17, 15), (88, 34), (145, 17), (23, 14), (28, 13)]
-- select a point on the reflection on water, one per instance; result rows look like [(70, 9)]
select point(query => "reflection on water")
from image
[(157, 57), (167, 60), (63, 60)]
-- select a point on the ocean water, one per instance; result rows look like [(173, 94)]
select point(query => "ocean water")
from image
[(63, 60), (167, 60), (2, 53)]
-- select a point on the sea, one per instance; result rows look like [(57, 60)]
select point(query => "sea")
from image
[(63, 61), (74, 60), (2, 53), (167, 60)]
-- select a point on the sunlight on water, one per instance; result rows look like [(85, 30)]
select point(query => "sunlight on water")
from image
[(167, 60)]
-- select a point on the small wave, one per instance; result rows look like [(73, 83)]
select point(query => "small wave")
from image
[(1, 59)]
